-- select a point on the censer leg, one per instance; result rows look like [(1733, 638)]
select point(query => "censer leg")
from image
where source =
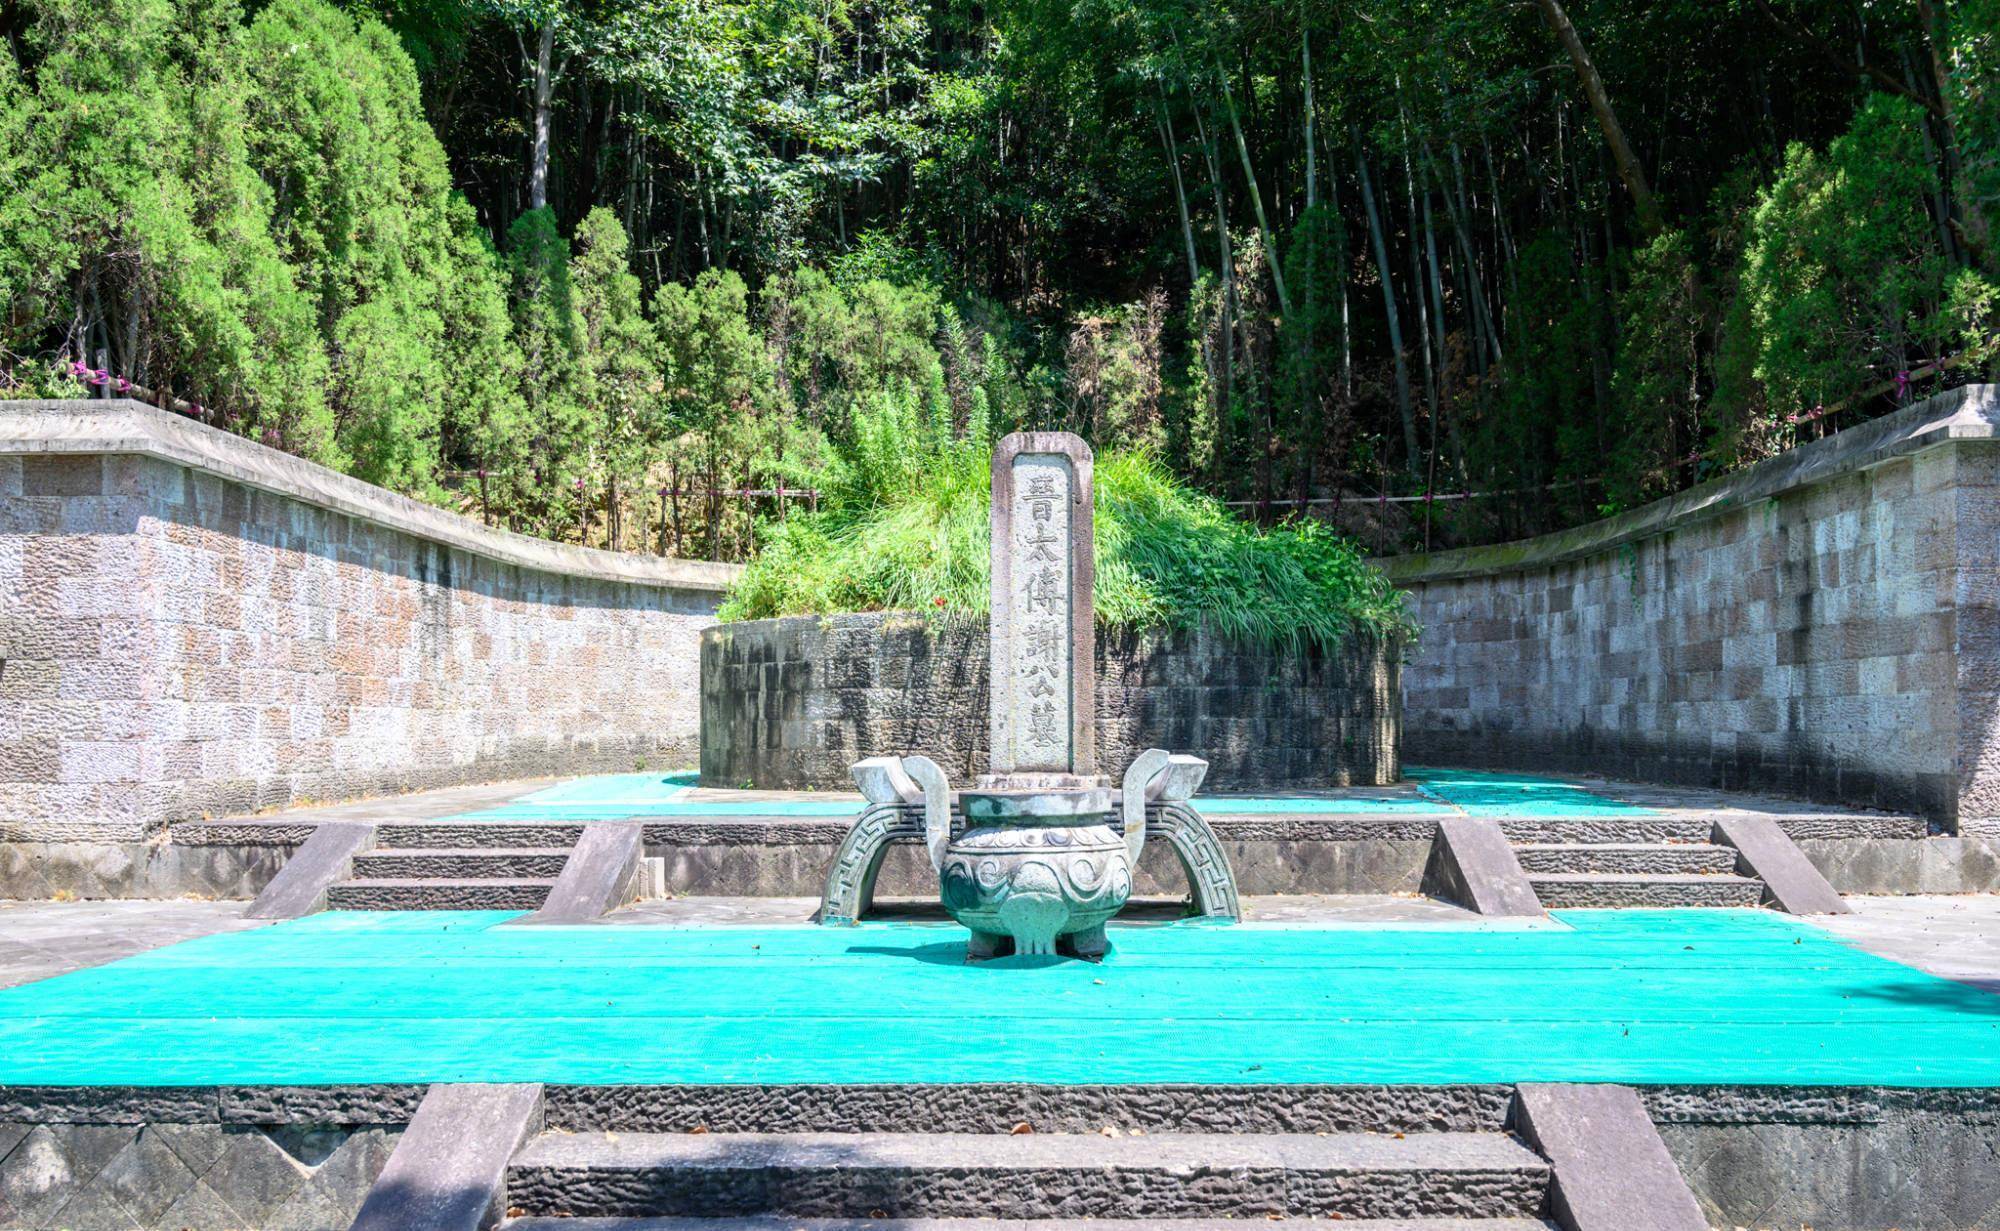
[(1090, 944), (984, 945)]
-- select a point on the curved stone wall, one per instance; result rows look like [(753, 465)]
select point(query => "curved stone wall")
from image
[(191, 624), (1825, 623), (792, 703)]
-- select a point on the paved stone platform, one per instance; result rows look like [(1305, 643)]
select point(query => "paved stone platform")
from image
[(1720, 997), (1956, 937), (1424, 793), (39, 940)]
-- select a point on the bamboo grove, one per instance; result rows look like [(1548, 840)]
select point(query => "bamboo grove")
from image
[(636, 272)]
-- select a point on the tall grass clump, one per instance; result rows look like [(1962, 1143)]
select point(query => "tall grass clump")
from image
[(903, 525)]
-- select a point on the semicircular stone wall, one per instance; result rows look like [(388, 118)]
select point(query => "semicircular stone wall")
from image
[(791, 703)]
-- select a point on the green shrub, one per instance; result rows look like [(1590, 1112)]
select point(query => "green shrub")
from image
[(903, 526), (1843, 270)]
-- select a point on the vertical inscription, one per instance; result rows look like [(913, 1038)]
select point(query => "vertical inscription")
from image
[(1042, 665), (1043, 585)]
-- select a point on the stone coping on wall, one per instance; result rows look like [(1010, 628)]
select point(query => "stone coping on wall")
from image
[(119, 426), (1971, 412)]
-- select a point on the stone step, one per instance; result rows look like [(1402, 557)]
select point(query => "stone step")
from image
[(1030, 1176), (1602, 830), (1572, 889), (1670, 858), (462, 863), (440, 893), (991, 1107), (772, 1223), (479, 835)]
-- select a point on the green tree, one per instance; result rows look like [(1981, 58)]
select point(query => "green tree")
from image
[(139, 237), (1842, 269), (363, 212), (1661, 372), (621, 374), (554, 452), (719, 387)]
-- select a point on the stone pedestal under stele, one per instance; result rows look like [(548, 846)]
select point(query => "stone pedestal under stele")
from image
[(1040, 864)]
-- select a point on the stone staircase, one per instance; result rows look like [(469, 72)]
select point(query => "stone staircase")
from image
[(439, 865), (1450, 1166), (1015, 1224), (1629, 862)]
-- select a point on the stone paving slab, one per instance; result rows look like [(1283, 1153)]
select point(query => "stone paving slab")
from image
[(1954, 937), (41, 939)]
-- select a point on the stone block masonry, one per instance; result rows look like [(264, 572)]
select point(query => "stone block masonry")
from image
[(792, 703), (191, 624), (1826, 624)]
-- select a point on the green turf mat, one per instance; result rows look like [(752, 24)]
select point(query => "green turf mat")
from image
[(1625, 996)]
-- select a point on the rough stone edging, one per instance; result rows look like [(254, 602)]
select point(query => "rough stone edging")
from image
[(1971, 412), (356, 1104), (120, 426), (638, 1107)]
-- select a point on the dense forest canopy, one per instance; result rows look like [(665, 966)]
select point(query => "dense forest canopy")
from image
[(633, 271)]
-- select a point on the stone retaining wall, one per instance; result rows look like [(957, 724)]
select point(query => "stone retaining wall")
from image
[(792, 703), (193, 624), (197, 1158), (1826, 624)]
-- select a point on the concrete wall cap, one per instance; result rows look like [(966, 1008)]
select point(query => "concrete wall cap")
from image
[(120, 426)]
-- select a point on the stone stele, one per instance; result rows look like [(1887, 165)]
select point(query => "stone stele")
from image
[(1044, 674)]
